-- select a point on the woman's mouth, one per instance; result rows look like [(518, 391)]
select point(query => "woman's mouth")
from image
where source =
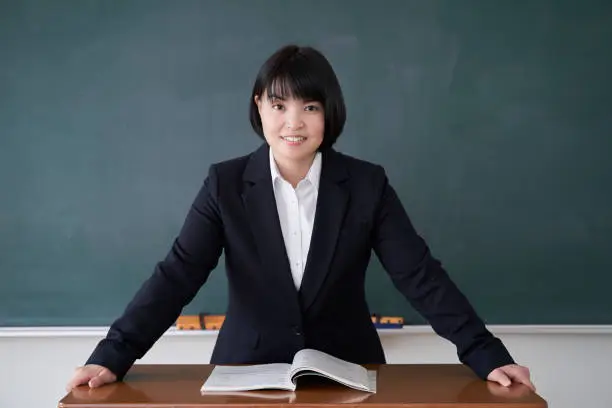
[(293, 140)]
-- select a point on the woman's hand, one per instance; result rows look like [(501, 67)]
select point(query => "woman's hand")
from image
[(507, 374), (93, 375)]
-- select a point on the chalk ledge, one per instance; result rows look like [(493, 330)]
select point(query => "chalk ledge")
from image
[(100, 331)]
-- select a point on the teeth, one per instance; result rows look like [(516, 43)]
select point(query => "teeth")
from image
[(294, 139)]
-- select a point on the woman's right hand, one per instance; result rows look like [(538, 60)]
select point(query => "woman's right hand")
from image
[(93, 375)]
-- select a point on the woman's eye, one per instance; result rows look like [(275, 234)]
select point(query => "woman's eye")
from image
[(311, 108), (277, 106)]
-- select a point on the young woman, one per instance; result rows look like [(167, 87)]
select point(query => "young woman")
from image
[(297, 221)]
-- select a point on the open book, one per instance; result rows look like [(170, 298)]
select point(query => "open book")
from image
[(284, 376), (347, 396)]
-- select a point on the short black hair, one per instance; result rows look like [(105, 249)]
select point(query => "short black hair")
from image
[(302, 73)]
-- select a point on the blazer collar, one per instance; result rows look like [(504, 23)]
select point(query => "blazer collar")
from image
[(260, 204)]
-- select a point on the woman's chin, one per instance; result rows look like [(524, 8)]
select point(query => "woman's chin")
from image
[(295, 152)]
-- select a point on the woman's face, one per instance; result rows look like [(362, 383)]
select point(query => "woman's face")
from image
[(293, 128)]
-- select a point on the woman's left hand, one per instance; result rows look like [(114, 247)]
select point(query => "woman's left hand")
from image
[(507, 374)]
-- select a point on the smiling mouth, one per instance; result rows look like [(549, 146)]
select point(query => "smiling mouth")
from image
[(293, 139)]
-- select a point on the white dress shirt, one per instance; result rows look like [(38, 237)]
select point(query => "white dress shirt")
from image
[(296, 212)]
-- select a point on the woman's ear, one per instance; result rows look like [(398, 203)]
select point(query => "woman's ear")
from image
[(257, 101)]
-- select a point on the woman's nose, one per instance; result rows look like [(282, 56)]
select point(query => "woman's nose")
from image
[(294, 122), (294, 125)]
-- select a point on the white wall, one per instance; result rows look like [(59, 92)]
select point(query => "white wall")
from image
[(571, 366)]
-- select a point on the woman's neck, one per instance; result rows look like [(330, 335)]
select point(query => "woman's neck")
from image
[(292, 170)]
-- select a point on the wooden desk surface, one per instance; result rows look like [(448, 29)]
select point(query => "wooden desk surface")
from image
[(399, 385)]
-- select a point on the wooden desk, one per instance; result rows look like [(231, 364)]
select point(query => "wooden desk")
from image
[(422, 386)]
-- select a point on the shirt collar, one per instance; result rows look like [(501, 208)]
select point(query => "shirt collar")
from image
[(313, 175)]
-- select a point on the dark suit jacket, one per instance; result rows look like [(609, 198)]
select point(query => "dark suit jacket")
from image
[(267, 319)]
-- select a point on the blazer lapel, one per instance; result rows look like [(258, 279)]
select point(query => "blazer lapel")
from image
[(331, 208), (260, 204)]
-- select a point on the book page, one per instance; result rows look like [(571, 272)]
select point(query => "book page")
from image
[(352, 375), (257, 395), (251, 377), (372, 380)]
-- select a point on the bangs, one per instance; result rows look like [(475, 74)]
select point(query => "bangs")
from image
[(293, 80)]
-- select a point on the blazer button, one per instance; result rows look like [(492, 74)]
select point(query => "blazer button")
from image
[(297, 331)]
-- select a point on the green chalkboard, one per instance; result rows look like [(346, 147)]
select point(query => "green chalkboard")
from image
[(492, 118)]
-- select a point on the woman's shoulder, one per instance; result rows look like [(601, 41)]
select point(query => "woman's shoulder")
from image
[(235, 164), (359, 166), (254, 159)]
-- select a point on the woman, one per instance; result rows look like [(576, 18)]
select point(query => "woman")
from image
[(297, 221)]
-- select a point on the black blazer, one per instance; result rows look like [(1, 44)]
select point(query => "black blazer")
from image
[(267, 319)]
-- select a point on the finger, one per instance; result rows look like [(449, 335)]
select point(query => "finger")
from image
[(507, 392), (521, 375), (499, 377), (103, 377), (81, 376)]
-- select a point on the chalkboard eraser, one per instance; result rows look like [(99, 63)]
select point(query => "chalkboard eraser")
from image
[(397, 320), (189, 322)]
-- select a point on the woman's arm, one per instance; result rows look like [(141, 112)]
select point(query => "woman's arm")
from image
[(423, 281), (173, 284)]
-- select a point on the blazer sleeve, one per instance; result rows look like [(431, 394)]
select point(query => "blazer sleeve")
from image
[(173, 284), (423, 281)]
